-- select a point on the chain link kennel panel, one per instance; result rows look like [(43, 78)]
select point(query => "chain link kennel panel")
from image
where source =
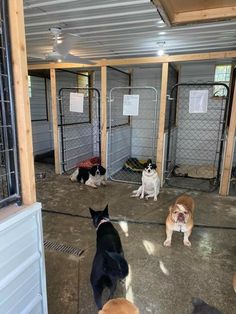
[(195, 146), (9, 178), (132, 138), (79, 131)]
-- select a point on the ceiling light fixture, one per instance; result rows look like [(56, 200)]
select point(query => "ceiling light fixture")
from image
[(161, 48)]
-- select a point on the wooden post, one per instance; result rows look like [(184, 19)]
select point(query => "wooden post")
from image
[(229, 150), (104, 116), (160, 136), (55, 120), (23, 116)]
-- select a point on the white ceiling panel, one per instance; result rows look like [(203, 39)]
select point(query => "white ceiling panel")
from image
[(114, 29)]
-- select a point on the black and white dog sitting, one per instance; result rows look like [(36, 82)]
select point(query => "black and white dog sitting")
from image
[(93, 177), (109, 264), (150, 183)]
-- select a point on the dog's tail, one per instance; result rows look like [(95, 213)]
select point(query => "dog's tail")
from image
[(116, 265)]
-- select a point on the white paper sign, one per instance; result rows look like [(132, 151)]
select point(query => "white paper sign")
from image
[(77, 102), (130, 105), (198, 101)]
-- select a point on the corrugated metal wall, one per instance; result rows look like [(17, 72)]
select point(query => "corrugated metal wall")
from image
[(144, 126), (42, 130), (22, 269)]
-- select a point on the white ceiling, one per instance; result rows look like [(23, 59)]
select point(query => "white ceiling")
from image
[(119, 29)]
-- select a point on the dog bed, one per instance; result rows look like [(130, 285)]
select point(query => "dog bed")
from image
[(134, 164), (196, 171), (89, 163)]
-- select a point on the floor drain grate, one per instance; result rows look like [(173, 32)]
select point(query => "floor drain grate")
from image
[(62, 248)]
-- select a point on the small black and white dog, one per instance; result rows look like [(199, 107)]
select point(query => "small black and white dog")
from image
[(150, 183), (93, 177), (109, 264)]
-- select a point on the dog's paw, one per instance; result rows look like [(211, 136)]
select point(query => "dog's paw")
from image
[(187, 243), (155, 199), (167, 243), (104, 183)]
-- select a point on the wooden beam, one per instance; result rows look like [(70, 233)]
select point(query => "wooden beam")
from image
[(229, 151), (104, 115), (61, 65), (160, 135), (55, 120), (166, 16), (145, 60), (204, 15), (23, 116)]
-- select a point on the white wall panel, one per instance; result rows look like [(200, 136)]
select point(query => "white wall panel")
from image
[(22, 268)]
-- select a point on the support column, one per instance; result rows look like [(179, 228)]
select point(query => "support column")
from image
[(23, 115), (104, 116), (229, 151), (160, 136), (55, 120)]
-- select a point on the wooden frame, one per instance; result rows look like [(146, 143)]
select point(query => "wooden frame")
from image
[(104, 116), (55, 120), (229, 151), (23, 116), (161, 130), (147, 60)]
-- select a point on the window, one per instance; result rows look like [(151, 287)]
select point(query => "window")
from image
[(222, 75)]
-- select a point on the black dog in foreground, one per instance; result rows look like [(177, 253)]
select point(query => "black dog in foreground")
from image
[(109, 264)]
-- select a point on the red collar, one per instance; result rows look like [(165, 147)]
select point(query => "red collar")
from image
[(102, 221)]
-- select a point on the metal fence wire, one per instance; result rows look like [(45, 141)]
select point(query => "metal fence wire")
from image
[(195, 144), (9, 181), (79, 131), (132, 138)]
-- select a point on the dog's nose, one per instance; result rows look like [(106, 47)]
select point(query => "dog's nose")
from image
[(149, 170)]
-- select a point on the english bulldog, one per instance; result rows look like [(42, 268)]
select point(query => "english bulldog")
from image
[(180, 218), (119, 306)]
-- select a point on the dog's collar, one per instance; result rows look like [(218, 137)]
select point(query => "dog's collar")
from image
[(102, 221)]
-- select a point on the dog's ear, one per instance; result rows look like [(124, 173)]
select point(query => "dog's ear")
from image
[(92, 212), (105, 211), (145, 165), (154, 166), (102, 170)]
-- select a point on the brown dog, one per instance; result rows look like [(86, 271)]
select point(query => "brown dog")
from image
[(119, 306), (180, 218)]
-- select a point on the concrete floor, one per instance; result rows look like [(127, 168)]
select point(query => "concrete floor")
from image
[(162, 280)]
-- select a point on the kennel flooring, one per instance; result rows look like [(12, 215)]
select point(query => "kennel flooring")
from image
[(162, 280)]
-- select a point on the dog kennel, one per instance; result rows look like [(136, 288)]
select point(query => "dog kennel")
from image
[(132, 131), (79, 125), (195, 144)]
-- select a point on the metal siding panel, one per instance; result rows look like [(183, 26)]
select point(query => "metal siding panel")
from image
[(22, 279)]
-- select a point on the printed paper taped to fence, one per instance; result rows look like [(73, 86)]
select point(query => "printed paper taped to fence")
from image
[(130, 105), (198, 101), (77, 102)]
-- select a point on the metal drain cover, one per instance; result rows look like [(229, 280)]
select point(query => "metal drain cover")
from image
[(54, 246)]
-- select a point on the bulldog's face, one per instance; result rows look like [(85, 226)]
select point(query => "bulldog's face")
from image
[(180, 214)]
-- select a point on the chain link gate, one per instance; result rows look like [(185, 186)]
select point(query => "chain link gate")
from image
[(132, 139), (80, 137), (195, 144)]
